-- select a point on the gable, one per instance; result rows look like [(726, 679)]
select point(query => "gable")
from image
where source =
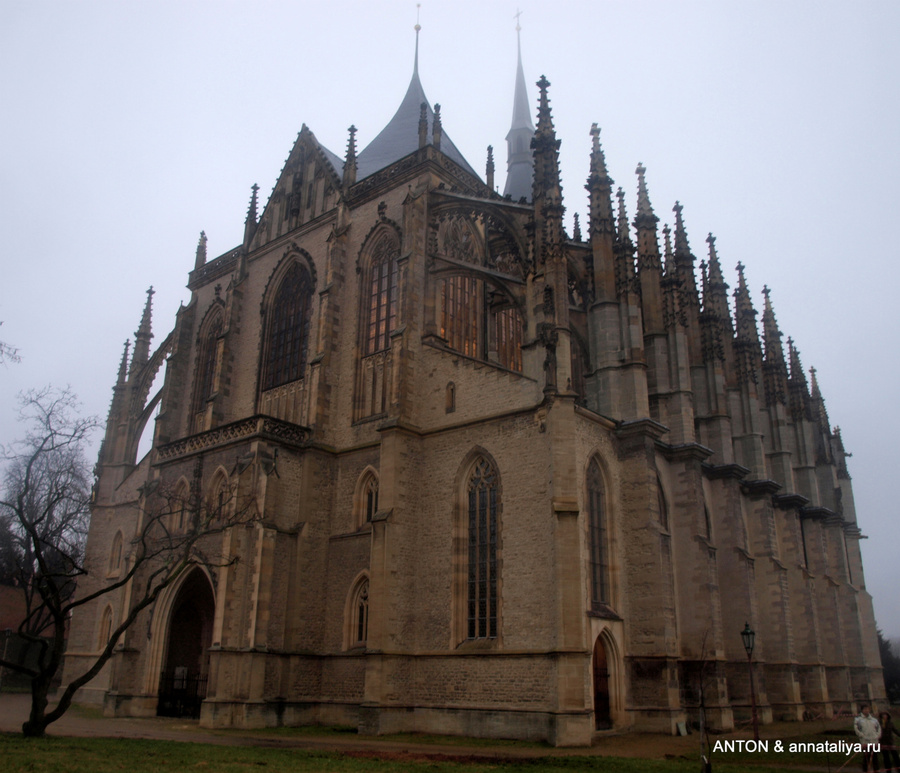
[(309, 186)]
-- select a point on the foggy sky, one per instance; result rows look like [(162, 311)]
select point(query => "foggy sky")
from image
[(129, 127)]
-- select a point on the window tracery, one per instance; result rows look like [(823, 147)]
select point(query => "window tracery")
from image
[(482, 570), (287, 333), (598, 538), (381, 318)]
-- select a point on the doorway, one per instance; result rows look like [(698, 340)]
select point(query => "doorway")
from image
[(182, 683), (600, 669)]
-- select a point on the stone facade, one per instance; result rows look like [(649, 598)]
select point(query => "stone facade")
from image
[(505, 481)]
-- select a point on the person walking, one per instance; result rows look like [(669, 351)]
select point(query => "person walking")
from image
[(890, 760), (868, 730)]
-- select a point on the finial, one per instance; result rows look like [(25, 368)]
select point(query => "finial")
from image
[(200, 259), (350, 165), (417, 28), (123, 366), (250, 223), (623, 218), (644, 209), (251, 210), (489, 168), (437, 130), (667, 248), (576, 229), (682, 247)]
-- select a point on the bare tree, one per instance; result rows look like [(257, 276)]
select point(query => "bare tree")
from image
[(45, 507), (8, 352)]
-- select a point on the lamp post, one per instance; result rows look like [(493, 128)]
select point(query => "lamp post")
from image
[(748, 636)]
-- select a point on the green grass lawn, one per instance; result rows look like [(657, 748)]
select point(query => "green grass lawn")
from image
[(98, 755)]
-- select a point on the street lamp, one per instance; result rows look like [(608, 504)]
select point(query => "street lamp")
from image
[(748, 636)]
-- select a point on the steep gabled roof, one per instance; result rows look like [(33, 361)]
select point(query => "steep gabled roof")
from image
[(401, 135)]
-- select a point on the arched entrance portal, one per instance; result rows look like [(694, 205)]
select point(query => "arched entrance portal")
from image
[(600, 669), (182, 683)]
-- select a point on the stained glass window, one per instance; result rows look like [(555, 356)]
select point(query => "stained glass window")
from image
[(288, 329), (483, 502)]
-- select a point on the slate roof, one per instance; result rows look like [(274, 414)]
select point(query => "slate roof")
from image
[(401, 135)]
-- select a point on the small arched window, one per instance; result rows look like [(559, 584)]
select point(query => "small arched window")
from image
[(105, 628), (287, 329), (598, 538), (115, 554), (361, 614), (219, 499), (663, 506), (356, 613), (366, 498), (381, 309)]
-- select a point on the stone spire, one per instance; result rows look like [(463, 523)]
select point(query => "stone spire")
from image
[(673, 312), (200, 258), (715, 318), (489, 168), (123, 366), (797, 386), (715, 295), (775, 376), (143, 335), (744, 313), (746, 344), (576, 228), (601, 222), (624, 251), (818, 402), (519, 161), (350, 165), (547, 188), (437, 129), (648, 258), (684, 265), (252, 220)]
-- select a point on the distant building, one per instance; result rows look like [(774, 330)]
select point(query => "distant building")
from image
[(513, 482)]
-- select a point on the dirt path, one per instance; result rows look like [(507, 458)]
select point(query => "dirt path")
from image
[(83, 722)]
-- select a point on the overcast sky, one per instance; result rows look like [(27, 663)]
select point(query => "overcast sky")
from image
[(130, 126)]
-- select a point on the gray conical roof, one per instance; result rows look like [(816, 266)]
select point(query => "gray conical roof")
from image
[(401, 135), (519, 159)]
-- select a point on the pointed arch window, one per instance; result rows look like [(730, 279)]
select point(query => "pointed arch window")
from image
[(663, 506), (219, 498), (483, 501), (115, 555), (206, 362), (356, 613), (287, 334), (361, 614), (366, 498), (598, 538), (105, 628), (381, 311)]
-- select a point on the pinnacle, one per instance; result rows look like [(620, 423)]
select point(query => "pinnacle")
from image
[(624, 234), (545, 120), (682, 248), (644, 208)]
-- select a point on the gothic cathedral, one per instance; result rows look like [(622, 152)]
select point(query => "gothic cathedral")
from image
[(505, 481)]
